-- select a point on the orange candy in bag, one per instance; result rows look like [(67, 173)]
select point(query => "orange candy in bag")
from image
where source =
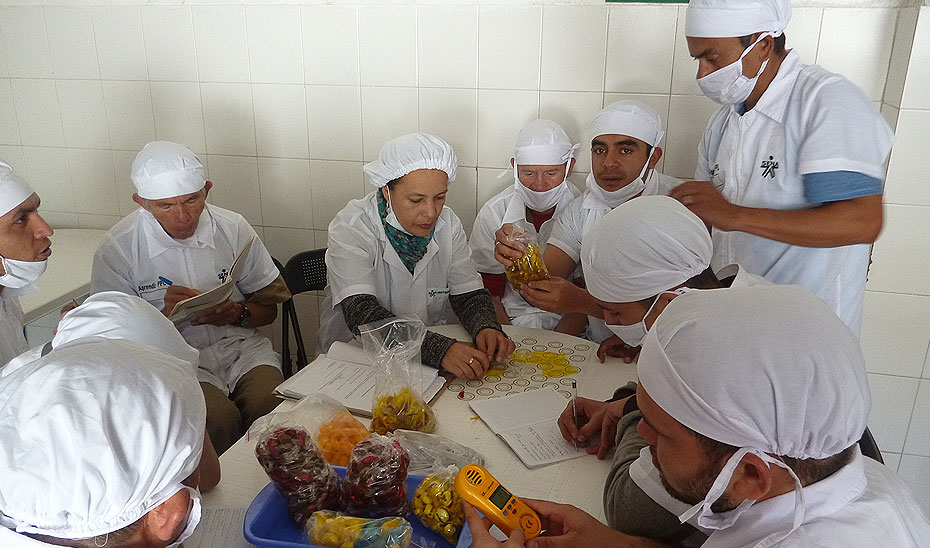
[(338, 437)]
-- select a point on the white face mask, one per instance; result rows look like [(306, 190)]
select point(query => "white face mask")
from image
[(193, 518), (392, 218), (634, 334), (18, 274), (541, 201), (721, 520), (728, 85), (624, 194)]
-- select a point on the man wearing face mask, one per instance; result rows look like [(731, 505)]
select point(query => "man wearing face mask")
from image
[(755, 439), (624, 153), (174, 247), (100, 446), (791, 168), (638, 258), (24, 251), (541, 164)]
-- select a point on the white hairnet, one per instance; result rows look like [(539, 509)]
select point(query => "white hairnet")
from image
[(410, 153), (735, 18), (94, 435), (767, 367), (542, 143), (643, 247), (163, 169), (630, 118), (116, 315), (14, 190)]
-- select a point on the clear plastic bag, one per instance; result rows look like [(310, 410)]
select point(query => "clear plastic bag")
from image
[(430, 451), (397, 401), (340, 531), (298, 470), (334, 429), (530, 267), (375, 485), (438, 505)]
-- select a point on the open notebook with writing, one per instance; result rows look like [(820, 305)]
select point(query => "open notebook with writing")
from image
[(348, 374), (528, 423), (200, 304)]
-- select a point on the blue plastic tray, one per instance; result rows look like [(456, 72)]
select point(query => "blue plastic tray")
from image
[(267, 524)]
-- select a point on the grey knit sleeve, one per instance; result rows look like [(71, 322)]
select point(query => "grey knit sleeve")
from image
[(361, 309), (475, 310)]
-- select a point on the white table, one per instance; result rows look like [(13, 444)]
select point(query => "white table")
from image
[(579, 481), (68, 273)]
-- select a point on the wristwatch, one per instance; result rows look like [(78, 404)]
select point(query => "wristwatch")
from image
[(244, 317)]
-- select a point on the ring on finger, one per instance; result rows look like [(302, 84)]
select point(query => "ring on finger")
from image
[(471, 361)]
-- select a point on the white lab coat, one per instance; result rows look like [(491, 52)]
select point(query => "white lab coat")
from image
[(863, 505), (361, 260), (583, 213), (808, 121), (12, 341), (137, 250), (508, 207)]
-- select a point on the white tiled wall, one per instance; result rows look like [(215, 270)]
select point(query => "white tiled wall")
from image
[(896, 326), (286, 102)]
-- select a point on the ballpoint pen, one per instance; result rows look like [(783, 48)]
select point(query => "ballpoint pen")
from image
[(575, 415)]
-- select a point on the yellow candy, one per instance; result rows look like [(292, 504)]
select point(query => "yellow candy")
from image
[(439, 507), (402, 410), (335, 531), (528, 268)]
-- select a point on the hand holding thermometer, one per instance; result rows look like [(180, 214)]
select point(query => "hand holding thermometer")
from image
[(479, 488)]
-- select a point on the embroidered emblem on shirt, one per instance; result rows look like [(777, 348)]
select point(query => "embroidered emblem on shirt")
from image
[(714, 172), (768, 167), (223, 275)]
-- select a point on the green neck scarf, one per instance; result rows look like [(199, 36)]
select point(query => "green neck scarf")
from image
[(410, 248)]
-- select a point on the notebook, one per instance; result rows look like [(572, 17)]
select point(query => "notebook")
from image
[(528, 423), (348, 374), (193, 306)]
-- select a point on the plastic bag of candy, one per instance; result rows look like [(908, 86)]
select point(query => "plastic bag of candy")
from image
[(430, 451), (438, 505), (334, 429), (340, 531), (375, 485), (530, 267), (397, 401), (298, 470)]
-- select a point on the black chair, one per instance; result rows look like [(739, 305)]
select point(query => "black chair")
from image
[(305, 271), (869, 448)]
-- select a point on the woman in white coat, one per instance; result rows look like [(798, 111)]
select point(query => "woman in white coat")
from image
[(400, 252)]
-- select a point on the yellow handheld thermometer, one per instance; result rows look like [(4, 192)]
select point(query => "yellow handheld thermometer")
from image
[(479, 488)]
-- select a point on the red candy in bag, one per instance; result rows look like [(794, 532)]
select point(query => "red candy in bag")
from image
[(376, 479), (298, 470)]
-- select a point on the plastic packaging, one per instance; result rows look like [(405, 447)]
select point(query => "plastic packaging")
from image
[(530, 267), (397, 401), (431, 451), (333, 428), (438, 505), (340, 531), (298, 470), (375, 485)]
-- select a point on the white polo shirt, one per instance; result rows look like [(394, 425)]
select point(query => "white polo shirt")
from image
[(137, 251), (508, 207), (808, 121), (12, 341)]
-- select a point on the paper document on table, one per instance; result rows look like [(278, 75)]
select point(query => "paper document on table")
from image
[(190, 307), (528, 423), (348, 374), (219, 528)]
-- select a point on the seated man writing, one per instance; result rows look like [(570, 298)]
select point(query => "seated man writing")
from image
[(755, 438), (101, 446), (176, 246)]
